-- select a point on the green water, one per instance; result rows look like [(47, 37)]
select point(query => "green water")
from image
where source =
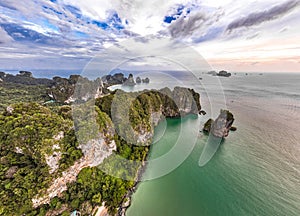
[(255, 172)]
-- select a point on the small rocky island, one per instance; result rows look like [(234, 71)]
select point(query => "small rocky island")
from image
[(221, 126), (120, 79), (221, 73)]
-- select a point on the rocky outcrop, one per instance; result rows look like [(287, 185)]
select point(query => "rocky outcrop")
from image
[(129, 81), (25, 78), (25, 74), (207, 126), (138, 80), (75, 88), (146, 80), (221, 73), (115, 79), (221, 126), (180, 102), (224, 74)]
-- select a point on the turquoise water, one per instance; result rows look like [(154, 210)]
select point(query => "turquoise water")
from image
[(255, 172)]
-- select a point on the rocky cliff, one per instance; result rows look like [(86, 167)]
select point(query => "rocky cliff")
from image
[(49, 157), (221, 126)]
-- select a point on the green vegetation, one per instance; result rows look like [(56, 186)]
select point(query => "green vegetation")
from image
[(11, 93), (27, 134), (30, 133)]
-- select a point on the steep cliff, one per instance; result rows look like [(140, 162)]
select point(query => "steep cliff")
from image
[(136, 113), (221, 126)]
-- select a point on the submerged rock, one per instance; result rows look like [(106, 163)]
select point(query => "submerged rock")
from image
[(221, 126), (233, 128), (202, 112)]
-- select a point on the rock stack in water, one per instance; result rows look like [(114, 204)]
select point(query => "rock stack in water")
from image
[(221, 126)]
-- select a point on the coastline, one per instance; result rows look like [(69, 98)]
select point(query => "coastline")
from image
[(126, 203), (156, 118)]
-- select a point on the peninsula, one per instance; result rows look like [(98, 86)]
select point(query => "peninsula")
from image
[(46, 170)]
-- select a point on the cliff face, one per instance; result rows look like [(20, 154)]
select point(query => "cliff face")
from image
[(180, 102), (143, 110), (63, 89)]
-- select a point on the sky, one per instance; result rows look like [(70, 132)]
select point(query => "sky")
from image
[(235, 35)]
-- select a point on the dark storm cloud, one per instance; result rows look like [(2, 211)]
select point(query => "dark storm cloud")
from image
[(263, 16)]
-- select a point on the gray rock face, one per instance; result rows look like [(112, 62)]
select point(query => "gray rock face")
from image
[(146, 80), (180, 102), (25, 78), (138, 80), (25, 74), (224, 74), (221, 126), (115, 79), (130, 81)]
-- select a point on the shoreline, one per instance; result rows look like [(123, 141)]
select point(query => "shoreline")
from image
[(126, 203)]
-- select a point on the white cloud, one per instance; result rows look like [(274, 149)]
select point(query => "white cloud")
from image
[(5, 38), (77, 36)]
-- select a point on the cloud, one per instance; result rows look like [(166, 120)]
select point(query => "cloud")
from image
[(185, 26), (211, 34), (255, 35), (82, 29), (5, 38), (263, 16)]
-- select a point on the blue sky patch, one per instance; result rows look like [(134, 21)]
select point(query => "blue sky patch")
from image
[(116, 21), (169, 19), (81, 35), (49, 25), (102, 25), (19, 33), (179, 11)]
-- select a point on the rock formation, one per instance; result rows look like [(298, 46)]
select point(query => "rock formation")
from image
[(138, 80), (115, 79), (129, 81), (221, 126), (25, 78), (221, 73), (146, 80), (224, 74)]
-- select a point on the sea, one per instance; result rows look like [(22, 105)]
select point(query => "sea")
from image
[(255, 171)]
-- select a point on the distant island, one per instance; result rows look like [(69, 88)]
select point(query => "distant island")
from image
[(119, 78), (46, 170), (221, 73)]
